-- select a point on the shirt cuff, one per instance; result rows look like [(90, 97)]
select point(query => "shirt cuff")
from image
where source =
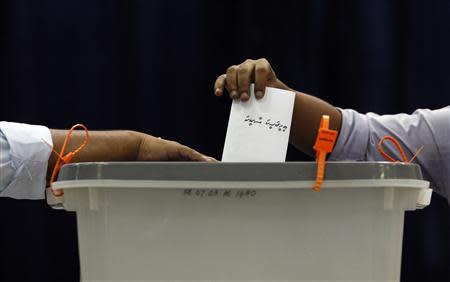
[(353, 137), (6, 167), (29, 150)]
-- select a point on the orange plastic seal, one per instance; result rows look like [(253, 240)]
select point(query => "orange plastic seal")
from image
[(64, 159), (399, 149), (326, 138)]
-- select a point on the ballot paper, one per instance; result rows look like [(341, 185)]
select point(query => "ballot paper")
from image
[(258, 130)]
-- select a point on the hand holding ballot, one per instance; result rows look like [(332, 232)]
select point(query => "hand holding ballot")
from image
[(306, 114), (238, 78)]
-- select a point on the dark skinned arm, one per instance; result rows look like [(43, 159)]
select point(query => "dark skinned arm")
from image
[(121, 145)]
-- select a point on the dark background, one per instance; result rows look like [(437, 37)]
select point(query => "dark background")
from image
[(150, 66)]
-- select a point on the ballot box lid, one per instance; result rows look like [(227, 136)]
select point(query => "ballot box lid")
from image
[(201, 171), (201, 175)]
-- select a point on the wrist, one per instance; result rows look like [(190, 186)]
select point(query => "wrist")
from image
[(280, 85)]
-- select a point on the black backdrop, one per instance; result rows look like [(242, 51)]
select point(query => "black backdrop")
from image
[(150, 66)]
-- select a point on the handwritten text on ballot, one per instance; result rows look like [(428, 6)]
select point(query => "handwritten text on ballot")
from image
[(258, 130)]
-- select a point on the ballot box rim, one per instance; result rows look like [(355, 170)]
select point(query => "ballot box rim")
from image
[(201, 171)]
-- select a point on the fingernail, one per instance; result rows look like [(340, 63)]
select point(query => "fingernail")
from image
[(217, 92), (234, 94), (259, 94), (244, 96)]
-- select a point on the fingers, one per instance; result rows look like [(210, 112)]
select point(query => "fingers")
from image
[(262, 75), (219, 85), (245, 73), (211, 159), (157, 149), (231, 82), (188, 154), (238, 78)]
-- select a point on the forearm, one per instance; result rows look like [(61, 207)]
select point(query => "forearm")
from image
[(308, 111), (102, 146)]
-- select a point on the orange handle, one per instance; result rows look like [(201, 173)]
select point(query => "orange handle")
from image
[(64, 159), (399, 149), (326, 138)]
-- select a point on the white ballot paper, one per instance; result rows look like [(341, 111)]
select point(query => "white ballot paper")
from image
[(258, 130)]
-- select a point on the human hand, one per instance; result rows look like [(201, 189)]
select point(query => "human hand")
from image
[(156, 149), (238, 78)]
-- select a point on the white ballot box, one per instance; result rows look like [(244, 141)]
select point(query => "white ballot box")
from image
[(240, 221)]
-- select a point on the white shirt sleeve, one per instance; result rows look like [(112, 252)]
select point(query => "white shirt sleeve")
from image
[(360, 134), (23, 160)]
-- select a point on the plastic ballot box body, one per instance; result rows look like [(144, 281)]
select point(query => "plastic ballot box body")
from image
[(240, 221)]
